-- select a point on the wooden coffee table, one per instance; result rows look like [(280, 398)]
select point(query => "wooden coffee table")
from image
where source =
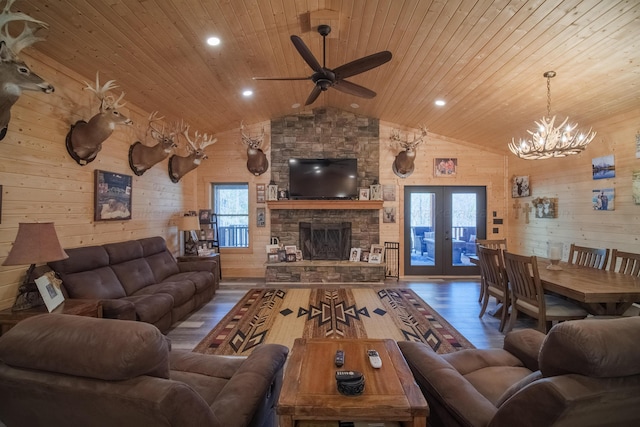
[(309, 391)]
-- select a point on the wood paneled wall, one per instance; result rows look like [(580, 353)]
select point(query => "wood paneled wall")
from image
[(475, 167), (42, 183), (227, 160), (570, 180)]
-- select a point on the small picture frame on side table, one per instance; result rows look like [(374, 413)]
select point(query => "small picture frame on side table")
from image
[(49, 286)]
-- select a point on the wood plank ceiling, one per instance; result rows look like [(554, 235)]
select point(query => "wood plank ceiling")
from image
[(484, 57)]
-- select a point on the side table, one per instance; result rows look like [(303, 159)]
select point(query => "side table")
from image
[(78, 307), (204, 258)]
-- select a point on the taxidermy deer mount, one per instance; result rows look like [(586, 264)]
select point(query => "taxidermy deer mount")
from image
[(179, 166), (403, 164), (257, 162), (85, 139), (15, 76), (143, 157)]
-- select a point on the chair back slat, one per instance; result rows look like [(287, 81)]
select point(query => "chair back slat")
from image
[(492, 243), (492, 265), (588, 257), (629, 263), (524, 279)]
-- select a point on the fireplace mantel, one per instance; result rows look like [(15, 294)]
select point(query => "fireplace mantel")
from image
[(325, 204)]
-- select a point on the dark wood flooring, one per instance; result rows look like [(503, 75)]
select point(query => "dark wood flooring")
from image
[(455, 299)]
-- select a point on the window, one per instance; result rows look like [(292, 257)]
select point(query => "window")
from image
[(231, 205)]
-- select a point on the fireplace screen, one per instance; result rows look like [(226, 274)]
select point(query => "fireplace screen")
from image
[(325, 241)]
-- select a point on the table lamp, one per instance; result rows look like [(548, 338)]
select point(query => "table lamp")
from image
[(35, 243), (189, 224)]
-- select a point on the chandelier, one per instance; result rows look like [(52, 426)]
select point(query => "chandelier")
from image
[(551, 141)]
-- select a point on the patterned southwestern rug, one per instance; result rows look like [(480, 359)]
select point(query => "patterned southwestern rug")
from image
[(282, 315)]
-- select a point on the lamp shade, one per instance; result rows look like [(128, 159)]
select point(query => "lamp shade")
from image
[(189, 223), (35, 243)]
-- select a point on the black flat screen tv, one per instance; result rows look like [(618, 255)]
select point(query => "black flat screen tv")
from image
[(317, 179)]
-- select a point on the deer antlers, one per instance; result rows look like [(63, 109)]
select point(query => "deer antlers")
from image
[(200, 141), (26, 38), (107, 102), (408, 145)]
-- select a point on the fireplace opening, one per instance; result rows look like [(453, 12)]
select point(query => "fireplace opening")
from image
[(325, 241)]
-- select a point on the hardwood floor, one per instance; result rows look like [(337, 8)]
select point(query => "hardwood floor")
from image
[(455, 299)]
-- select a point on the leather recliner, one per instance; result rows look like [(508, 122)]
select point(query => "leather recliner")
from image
[(583, 373), (63, 370)]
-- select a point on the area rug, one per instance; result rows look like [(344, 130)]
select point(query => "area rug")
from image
[(282, 315)]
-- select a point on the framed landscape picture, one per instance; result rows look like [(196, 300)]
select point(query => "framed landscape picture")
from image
[(112, 196), (603, 167)]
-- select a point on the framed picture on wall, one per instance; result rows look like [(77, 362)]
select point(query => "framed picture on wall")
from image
[(603, 199), (445, 167), (112, 196), (520, 186), (205, 216), (261, 217), (261, 193), (603, 167)]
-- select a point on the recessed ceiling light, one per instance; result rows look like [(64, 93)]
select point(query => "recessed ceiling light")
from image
[(247, 93), (440, 102), (354, 105), (213, 41), (296, 105)]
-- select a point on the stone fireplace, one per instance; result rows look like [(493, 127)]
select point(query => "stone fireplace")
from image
[(325, 241), (326, 133)]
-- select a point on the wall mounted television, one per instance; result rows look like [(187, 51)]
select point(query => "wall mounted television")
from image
[(317, 179)]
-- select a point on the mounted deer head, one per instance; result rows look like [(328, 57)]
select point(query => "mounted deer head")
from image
[(84, 140), (179, 166), (403, 164), (15, 76), (143, 157), (257, 162)]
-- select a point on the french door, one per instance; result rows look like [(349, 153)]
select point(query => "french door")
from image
[(440, 228)]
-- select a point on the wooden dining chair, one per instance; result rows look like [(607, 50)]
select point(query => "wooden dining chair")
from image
[(588, 257), (491, 244), (528, 295), (629, 263), (495, 282)]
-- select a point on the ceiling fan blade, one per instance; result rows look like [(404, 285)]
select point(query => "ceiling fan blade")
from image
[(281, 78), (313, 95), (354, 89), (363, 64), (306, 54)]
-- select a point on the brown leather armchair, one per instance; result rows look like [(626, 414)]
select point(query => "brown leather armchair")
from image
[(583, 373), (63, 370)]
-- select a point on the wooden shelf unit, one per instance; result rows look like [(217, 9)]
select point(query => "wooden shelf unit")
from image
[(325, 204)]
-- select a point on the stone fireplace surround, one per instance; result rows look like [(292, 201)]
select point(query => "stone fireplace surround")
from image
[(326, 133)]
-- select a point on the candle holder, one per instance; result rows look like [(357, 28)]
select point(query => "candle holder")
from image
[(555, 255)]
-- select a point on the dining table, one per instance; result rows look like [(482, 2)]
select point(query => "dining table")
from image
[(601, 292)]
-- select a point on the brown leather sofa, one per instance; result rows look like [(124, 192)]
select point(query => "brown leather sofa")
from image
[(63, 370), (138, 280), (583, 373)]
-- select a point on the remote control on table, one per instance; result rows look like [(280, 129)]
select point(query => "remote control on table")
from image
[(339, 360), (348, 375), (374, 359)]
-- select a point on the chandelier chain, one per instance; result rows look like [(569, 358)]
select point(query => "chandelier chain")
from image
[(549, 96)]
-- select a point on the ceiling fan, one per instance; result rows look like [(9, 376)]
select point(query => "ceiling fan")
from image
[(324, 77)]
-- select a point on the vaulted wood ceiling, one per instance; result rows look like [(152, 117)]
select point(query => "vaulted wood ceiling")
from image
[(486, 58)]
